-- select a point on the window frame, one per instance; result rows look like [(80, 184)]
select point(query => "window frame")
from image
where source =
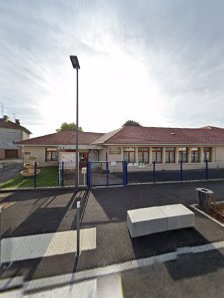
[(129, 150), (52, 151), (157, 151), (180, 153), (193, 160), (169, 151), (207, 151), (141, 151)]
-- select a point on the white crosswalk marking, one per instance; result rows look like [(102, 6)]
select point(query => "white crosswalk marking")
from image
[(45, 245)]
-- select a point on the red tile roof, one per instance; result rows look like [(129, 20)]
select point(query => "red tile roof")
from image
[(63, 138), (12, 125), (159, 135), (136, 135)]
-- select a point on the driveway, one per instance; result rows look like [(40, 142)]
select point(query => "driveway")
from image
[(9, 171)]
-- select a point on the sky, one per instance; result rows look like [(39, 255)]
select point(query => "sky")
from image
[(157, 62)]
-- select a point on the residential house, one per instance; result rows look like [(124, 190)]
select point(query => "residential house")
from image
[(10, 133)]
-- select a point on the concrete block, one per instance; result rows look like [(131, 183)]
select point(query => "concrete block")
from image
[(151, 220), (146, 221), (178, 216)]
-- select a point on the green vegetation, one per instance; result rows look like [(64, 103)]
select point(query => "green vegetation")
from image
[(131, 123), (68, 126), (48, 176)]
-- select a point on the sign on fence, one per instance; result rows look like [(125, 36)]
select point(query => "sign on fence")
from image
[(69, 159)]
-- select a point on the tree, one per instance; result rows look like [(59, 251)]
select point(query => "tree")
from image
[(131, 123), (68, 126)]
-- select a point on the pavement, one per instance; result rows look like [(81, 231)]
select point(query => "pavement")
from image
[(43, 212), (160, 176), (9, 170)]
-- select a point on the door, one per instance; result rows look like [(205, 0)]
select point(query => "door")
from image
[(11, 154)]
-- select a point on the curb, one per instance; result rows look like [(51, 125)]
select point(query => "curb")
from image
[(43, 188)]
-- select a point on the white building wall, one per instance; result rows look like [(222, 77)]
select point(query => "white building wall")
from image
[(217, 160), (39, 152)]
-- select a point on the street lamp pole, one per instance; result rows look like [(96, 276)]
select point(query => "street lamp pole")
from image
[(75, 64)]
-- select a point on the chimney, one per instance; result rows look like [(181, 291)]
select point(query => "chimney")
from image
[(6, 118), (17, 121)]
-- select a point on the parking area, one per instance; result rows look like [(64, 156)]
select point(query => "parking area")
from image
[(103, 215)]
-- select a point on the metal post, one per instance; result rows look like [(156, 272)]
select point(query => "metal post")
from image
[(107, 172), (59, 174), (125, 173), (78, 252), (181, 170), (206, 169), (88, 173), (77, 130), (35, 174), (62, 174), (154, 171)]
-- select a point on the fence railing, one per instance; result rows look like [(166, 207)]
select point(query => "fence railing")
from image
[(105, 173)]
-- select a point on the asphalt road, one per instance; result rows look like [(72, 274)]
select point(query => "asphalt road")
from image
[(36, 212), (9, 171)]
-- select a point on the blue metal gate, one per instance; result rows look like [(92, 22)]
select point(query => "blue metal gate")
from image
[(106, 173)]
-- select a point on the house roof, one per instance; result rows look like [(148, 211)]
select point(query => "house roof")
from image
[(63, 138), (135, 135), (105, 137), (159, 135), (12, 125)]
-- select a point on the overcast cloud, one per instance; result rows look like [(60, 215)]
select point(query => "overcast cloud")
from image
[(157, 62)]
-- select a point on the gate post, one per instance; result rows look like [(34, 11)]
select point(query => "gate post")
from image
[(125, 173), (181, 170), (35, 175), (62, 174), (107, 172), (59, 174), (154, 171), (89, 174), (206, 169)]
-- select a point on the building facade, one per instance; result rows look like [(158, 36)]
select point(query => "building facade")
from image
[(10, 134), (139, 146)]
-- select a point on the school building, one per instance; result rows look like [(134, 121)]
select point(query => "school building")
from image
[(139, 146)]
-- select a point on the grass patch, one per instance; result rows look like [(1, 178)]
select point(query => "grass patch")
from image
[(48, 176)]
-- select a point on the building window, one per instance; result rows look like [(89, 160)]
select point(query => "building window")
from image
[(195, 155), (157, 154), (143, 155), (207, 152), (129, 154), (51, 154), (183, 152), (170, 154)]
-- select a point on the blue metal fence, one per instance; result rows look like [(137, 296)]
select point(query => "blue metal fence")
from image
[(105, 173)]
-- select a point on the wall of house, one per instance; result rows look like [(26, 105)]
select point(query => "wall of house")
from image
[(8, 137), (217, 160), (115, 156), (39, 152), (218, 156), (25, 135)]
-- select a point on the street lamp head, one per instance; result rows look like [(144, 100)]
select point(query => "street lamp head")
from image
[(75, 62)]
